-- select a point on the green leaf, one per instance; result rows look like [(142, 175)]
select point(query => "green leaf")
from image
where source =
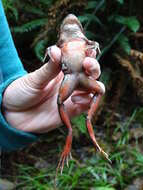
[(87, 17), (105, 76), (131, 22), (30, 25), (39, 49), (90, 35), (34, 10), (80, 123), (90, 17), (91, 5), (138, 156), (139, 116), (104, 188), (124, 43), (14, 11), (10, 8), (46, 2), (120, 1)]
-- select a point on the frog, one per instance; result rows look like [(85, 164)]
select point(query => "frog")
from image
[(75, 47)]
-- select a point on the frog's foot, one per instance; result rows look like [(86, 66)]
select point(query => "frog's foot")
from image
[(66, 154), (64, 158), (103, 152)]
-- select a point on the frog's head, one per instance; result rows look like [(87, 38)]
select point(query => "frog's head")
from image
[(71, 24), (71, 28)]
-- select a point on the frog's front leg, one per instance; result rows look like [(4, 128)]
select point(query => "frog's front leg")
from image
[(54, 53), (98, 89), (92, 45), (67, 87)]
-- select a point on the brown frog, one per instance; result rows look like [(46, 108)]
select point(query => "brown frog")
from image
[(75, 47)]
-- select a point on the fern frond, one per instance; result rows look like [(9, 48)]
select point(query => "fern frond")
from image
[(124, 43), (46, 2), (34, 10), (39, 49), (14, 11), (10, 8), (91, 5), (90, 35), (30, 25), (90, 17)]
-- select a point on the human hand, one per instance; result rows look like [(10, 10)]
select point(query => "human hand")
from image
[(30, 102)]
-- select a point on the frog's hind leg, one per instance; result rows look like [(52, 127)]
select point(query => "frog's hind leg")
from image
[(91, 111), (67, 87), (98, 89)]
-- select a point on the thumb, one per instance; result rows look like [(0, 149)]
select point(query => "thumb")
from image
[(41, 77)]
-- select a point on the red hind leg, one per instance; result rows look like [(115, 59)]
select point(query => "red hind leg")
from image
[(91, 111), (97, 88), (67, 148), (66, 89)]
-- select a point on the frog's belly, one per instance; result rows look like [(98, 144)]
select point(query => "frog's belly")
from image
[(73, 54), (72, 61)]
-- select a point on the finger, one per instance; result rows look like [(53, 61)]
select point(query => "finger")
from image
[(91, 67), (41, 77)]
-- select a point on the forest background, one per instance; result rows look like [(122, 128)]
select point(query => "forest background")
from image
[(118, 27)]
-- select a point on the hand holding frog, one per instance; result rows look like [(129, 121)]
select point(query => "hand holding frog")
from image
[(30, 102)]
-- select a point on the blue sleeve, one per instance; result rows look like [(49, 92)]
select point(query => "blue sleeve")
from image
[(10, 69)]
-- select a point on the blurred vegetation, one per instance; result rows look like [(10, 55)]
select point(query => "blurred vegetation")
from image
[(118, 27)]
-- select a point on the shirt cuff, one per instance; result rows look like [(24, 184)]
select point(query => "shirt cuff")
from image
[(10, 137)]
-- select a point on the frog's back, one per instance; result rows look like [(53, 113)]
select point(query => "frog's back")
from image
[(73, 54)]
